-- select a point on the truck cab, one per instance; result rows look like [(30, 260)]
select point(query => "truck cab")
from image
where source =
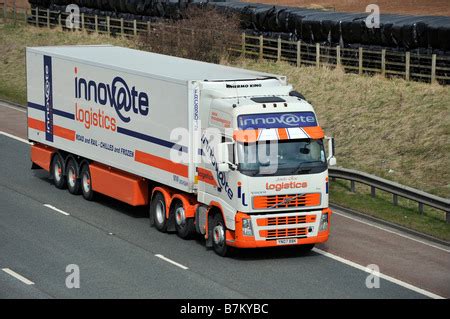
[(264, 166)]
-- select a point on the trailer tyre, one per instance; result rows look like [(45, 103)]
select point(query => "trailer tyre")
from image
[(219, 236), (73, 180), (57, 171), (158, 212), (184, 226), (86, 183)]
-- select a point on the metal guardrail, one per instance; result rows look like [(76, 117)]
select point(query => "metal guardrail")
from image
[(397, 190)]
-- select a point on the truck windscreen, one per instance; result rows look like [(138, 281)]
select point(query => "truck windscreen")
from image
[(277, 158)]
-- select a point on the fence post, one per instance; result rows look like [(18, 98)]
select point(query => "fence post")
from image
[(395, 199), (421, 208), (352, 186), (407, 65), (360, 58), (37, 16), (148, 27), (108, 25), (383, 62), (338, 55), (134, 27), (82, 21), (26, 15), (433, 68), (372, 191), (48, 18), (299, 53), (261, 47), (243, 45), (59, 21), (96, 23), (14, 11), (317, 54), (121, 27), (279, 49), (4, 11)]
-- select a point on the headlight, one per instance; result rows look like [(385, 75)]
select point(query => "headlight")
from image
[(247, 227), (323, 222)]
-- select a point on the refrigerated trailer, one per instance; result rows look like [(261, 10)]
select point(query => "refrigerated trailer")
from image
[(234, 155)]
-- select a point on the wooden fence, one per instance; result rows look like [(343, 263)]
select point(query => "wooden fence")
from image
[(387, 62)]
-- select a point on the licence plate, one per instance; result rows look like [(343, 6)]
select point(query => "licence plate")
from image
[(289, 241)]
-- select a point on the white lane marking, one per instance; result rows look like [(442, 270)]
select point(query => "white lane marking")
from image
[(13, 108), (392, 232), (56, 209), (171, 261), (381, 275), (17, 276), (15, 137)]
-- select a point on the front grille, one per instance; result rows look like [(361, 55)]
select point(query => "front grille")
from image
[(286, 220), (281, 233), (286, 201)]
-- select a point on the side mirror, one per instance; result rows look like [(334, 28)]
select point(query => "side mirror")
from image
[(225, 156), (331, 159), (223, 167)]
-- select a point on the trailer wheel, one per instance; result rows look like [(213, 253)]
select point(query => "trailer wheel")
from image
[(57, 171), (219, 236), (158, 212), (184, 226), (86, 183), (73, 181)]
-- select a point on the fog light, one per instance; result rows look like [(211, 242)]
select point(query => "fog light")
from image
[(323, 222), (247, 229)]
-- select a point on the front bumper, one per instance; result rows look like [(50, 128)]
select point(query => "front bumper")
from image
[(268, 229)]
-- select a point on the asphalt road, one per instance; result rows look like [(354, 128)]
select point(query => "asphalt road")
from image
[(117, 252)]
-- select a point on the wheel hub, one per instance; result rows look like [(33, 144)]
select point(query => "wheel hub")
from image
[(219, 235), (180, 216), (160, 214)]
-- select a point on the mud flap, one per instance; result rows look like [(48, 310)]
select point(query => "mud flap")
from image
[(35, 166)]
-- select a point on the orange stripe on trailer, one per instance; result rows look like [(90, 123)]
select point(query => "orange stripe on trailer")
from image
[(36, 124), (41, 155), (282, 134), (161, 163), (118, 184), (64, 133), (206, 176), (314, 132), (57, 130)]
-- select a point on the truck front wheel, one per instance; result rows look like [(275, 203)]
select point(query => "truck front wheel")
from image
[(218, 233), (57, 171), (158, 212)]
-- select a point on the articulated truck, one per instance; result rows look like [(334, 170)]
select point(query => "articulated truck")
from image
[(233, 155)]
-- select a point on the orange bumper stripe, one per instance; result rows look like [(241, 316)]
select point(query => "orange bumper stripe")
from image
[(161, 163)]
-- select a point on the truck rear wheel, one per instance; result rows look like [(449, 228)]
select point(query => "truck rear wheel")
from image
[(158, 212), (218, 233), (57, 171), (86, 183), (73, 182), (184, 226)]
